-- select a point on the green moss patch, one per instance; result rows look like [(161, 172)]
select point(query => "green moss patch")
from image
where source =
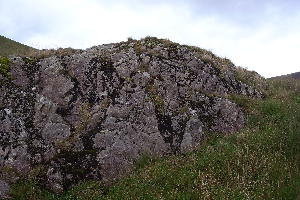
[(5, 67)]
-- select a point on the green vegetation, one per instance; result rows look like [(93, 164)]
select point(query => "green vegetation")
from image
[(145, 160), (262, 161), (251, 78), (5, 67), (10, 47), (244, 102)]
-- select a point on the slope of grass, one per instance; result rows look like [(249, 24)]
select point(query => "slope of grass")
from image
[(11, 47)]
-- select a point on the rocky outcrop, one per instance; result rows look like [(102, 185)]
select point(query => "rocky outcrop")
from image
[(91, 114)]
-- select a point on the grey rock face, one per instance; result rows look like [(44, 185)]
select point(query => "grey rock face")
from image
[(92, 114), (4, 189)]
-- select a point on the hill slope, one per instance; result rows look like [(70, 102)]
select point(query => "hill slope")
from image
[(295, 75), (11, 47)]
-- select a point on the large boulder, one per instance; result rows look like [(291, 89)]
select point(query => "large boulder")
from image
[(91, 114)]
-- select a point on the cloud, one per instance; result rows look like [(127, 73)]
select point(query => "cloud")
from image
[(259, 35)]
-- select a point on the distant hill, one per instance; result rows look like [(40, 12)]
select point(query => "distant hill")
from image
[(293, 75), (11, 47)]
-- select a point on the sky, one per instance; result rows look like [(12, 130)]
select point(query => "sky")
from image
[(260, 35)]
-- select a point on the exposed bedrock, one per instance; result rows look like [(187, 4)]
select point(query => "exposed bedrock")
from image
[(91, 114)]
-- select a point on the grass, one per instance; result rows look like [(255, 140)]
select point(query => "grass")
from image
[(5, 67), (251, 78), (10, 47), (262, 161)]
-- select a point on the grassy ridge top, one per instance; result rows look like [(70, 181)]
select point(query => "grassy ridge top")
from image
[(11, 47)]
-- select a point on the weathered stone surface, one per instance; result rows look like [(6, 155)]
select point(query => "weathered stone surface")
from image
[(93, 113), (4, 189)]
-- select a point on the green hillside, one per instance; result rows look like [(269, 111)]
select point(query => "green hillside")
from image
[(11, 47), (262, 161), (293, 76)]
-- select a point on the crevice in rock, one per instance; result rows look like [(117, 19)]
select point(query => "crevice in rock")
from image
[(170, 136), (76, 166), (203, 114), (91, 75), (75, 93), (31, 68)]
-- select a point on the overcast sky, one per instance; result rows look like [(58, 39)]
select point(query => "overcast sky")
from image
[(261, 35)]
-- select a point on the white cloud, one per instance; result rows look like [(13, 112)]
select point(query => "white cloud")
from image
[(268, 48)]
